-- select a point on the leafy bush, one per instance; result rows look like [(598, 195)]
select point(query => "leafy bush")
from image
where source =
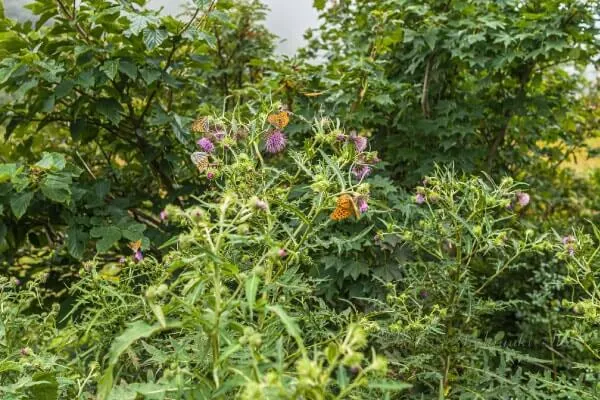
[(170, 230)]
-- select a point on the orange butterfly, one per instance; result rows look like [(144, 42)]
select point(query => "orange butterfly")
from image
[(280, 120), (345, 208), (135, 246), (200, 160), (200, 125)]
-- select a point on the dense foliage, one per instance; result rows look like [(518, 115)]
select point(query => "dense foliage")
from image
[(389, 214)]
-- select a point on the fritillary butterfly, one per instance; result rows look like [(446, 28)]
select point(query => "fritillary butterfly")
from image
[(135, 246), (345, 208), (200, 160), (279, 120), (200, 125)]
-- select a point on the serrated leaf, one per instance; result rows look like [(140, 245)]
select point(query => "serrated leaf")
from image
[(210, 40), (7, 171), (128, 68), (111, 109), (150, 75), (109, 235), (110, 68), (154, 38), (52, 162), (57, 188), (20, 203), (76, 242), (178, 126), (290, 325)]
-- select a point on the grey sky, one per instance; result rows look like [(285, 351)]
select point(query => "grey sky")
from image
[(288, 19)]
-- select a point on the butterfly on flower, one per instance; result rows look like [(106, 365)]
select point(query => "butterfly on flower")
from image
[(200, 160), (279, 120), (135, 246), (345, 208), (200, 125)]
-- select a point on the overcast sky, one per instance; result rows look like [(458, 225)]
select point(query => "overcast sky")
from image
[(288, 19)]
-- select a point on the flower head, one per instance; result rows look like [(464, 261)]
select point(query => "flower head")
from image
[(522, 199), (206, 145), (567, 239), (360, 172), (360, 142), (282, 253), (276, 142), (122, 260), (219, 134), (138, 256), (571, 250), (164, 215), (362, 205), (17, 282), (210, 175), (420, 198), (340, 137)]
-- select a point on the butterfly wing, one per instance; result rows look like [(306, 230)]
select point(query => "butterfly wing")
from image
[(200, 125), (280, 120), (344, 209), (200, 160), (135, 246)]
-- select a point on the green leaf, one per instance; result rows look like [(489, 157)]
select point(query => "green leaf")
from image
[(133, 231), (24, 89), (128, 68), (108, 235), (135, 331), (150, 75), (76, 242), (111, 109), (210, 40), (154, 38), (319, 4), (251, 288), (389, 385), (7, 172), (45, 388), (52, 162), (290, 325), (57, 188), (63, 89), (110, 68), (20, 203), (178, 125)]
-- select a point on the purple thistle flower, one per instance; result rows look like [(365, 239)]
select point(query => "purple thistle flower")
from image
[(164, 215), (206, 145), (276, 142), (571, 250), (420, 198), (210, 175), (341, 137), (360, 172), (522, 199), (282, 253), (360, 142), (17, 282), (362, 205), (567, 239), (122, 260), (138, 256)]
